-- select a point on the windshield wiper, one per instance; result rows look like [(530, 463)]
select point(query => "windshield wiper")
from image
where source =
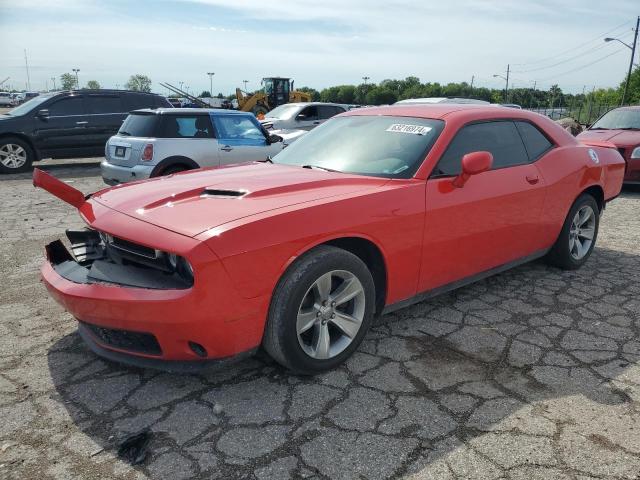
[(124, 134), (266, 160), (321, 168), (629, 128)]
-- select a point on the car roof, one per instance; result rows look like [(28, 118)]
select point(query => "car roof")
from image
[(439, 111), (182, 110), (306, 104), (432, 100)]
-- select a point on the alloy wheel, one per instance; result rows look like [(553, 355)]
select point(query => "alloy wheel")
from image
[(12, 155), (582, 231), (331, 314)]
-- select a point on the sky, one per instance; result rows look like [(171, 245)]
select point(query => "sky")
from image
[(319, 43)]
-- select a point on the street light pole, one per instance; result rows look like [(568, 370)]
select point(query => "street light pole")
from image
[(245, 84), (506, 88), (633, 53), (53, 79), (365, 79), (211, 74), (76, 70)]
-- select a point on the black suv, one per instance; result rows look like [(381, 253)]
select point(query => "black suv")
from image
[(66, 124)]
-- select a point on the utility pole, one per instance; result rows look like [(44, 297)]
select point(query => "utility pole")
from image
[(633, 53), (506, 88), (473, 77), (53, 79), (365, 79), (245, 84), (76, 70), (211, 74), (26, 64)]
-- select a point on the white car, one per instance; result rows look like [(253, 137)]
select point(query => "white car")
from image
[(163, 141), (301, 115), (6, 100)]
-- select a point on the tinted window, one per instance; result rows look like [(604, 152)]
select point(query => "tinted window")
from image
[(534, 141), (67, 106), (139, 126), (103, 104), (238, 127), (500, 138), (186, 126), (135, 101), (310, 113), (382, 146), (328, 111)]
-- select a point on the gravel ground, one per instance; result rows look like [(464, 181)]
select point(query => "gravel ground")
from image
[(530, 374)]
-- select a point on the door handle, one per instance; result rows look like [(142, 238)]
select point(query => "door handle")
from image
[(81, 123), (532, 179), (226, 148)]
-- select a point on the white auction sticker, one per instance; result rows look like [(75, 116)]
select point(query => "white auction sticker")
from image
[(404, 128)]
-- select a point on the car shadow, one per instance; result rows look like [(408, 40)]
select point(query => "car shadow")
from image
[(498, 355)]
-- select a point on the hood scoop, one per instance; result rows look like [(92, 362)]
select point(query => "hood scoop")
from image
[(222, 193)]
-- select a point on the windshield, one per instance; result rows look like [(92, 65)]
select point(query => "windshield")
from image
[(283, 112), (619, 119), (392, 147), (26, 107), (139, 125)]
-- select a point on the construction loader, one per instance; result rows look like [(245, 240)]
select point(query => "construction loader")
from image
[(276, 91)]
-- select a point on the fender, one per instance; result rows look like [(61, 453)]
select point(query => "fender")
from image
[(175, 160), (58, 188)]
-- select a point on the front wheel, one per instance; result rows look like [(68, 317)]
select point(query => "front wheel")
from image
[(320, 311), (578, 235), (16, 155)]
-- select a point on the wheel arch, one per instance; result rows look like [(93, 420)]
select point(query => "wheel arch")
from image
[(597, 192), (366, 250), (173, 161)]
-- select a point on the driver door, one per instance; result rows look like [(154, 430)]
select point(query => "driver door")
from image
[(493, 220), (308, 118)]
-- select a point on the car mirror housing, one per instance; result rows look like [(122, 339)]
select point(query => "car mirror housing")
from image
[(302, 116), (472, 164), (44, 113), (275, 139)]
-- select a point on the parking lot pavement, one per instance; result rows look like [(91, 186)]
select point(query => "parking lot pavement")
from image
[(530, 374)]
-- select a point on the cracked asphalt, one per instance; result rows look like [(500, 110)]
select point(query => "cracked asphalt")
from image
[(532, 374)]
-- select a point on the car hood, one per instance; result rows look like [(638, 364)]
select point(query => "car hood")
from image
[(289, 135), (620, 138), (191, 203)]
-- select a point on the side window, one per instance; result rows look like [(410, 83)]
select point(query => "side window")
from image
[(103, 104), (238, 127), (186, 126), (327, 111), (501, 138), (309, 113), (67, 106), (534, 140), (135, 101)]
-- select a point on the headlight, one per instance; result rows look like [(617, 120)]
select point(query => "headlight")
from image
[(635, 153)]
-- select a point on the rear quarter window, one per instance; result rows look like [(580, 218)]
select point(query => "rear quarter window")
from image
[(139, 126), (536, 143)]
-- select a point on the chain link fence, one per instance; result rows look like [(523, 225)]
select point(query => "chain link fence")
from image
[(584, 113)]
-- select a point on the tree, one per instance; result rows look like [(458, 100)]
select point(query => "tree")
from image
[(138, 83), (93, 85), (315, 95), (68, 81), (633, 93), (205, 94)]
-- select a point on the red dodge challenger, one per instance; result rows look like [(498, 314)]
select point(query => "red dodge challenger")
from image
[(374, 210)]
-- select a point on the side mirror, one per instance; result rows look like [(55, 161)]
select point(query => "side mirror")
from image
[(43, 114), (472, 164), (302, 116), (274, 139)]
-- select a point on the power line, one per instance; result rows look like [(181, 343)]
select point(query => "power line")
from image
[(580, 68), (566, 60), (583, 44)]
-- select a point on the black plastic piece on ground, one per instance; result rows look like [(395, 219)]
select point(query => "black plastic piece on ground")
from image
[(134, 448)]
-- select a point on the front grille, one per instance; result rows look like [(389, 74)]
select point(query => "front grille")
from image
[(134, 248), (126, 340)]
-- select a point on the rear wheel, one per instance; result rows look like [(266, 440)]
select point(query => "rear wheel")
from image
[(320, 311), (16, 155), (578, 235), (173, 169)]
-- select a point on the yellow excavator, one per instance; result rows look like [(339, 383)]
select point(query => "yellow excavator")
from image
[(276, 91)]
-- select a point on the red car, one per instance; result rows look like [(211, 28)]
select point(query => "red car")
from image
[(620, 127), (374, 210)]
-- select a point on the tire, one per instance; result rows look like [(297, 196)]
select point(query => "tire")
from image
[(573, 246), (16, 155), (173, 169), (259, 110), (296, 343)]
